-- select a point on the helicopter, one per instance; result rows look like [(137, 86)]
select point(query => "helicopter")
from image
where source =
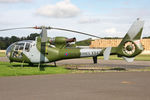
[(45, 49)]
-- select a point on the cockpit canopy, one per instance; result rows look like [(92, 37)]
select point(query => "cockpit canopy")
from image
[(19, 46)]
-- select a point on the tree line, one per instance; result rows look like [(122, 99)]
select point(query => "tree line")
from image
[(7, 41)]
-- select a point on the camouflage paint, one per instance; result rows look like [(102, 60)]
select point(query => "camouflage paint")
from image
[(60, 51)]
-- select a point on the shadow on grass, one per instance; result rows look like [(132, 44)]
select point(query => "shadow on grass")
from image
[(41, 68), (35, 65), (118, 69)]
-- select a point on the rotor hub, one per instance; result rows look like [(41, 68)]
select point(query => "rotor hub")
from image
[(129, 48)]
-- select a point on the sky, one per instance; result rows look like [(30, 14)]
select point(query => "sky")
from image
[(104, 18)]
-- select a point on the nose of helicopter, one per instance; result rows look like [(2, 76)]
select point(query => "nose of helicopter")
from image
[(8, 50)]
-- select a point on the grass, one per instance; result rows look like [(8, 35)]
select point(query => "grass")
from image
[(15, 69), (2, 54), (138, 58), (143, 57), (6, 69)]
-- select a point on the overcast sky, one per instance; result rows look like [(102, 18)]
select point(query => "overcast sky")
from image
[(104, 18)]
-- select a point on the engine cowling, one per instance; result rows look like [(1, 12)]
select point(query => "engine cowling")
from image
[(61, 42), (58, 40)]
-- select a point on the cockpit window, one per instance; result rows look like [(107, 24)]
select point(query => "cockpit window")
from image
[(16, 47), (27, 47), (19, 46), (9, 50)]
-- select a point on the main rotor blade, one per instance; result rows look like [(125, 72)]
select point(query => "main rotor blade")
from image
[(62, 29), (75, 32), (16, 28)]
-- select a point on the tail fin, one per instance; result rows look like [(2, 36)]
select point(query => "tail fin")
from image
[(135, 31), (131, 45)]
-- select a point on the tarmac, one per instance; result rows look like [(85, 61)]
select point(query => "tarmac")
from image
[(91, 86), (83, 86), (105, 63)]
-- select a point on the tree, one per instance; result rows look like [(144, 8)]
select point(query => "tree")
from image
[(6, 41), (32, 36), (2, 45)]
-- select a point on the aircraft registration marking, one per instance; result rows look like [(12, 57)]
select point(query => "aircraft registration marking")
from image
[(90, 52)]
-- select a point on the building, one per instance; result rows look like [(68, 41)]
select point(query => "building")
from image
[(102, 43)]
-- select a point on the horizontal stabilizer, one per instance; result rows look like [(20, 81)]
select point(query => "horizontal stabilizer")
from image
[(128, 59), (107, 53)]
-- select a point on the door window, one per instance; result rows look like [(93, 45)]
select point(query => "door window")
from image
[(27, 47), (18, 50)]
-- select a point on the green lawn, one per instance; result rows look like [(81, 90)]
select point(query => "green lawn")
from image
[(6, 69), (143, 57), (139, 57), (2, 54)]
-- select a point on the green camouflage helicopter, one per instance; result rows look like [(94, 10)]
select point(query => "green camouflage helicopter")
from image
[(45, 49)]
